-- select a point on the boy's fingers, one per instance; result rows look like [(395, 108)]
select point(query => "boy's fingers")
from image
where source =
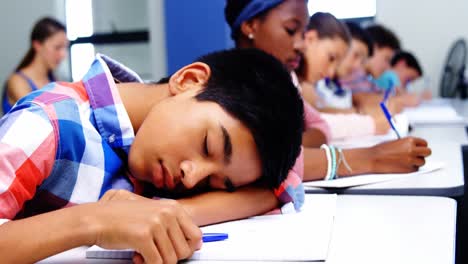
[(179, 242), (164, 244), (192, 232), (150, 253)]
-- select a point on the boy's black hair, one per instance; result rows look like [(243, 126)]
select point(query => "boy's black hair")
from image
[(383, 37), (358, 33), (256, 88), (409, 59)]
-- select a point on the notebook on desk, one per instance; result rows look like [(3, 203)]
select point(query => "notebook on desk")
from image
[(358, 180), (433, 114), (302, 236)]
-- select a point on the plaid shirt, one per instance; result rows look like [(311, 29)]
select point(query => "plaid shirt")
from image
[(68, 143)]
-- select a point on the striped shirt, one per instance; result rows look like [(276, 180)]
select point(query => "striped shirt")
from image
[(68, 143)]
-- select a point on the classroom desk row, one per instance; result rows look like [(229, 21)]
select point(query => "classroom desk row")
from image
[(446, 143), (460, 105), (419, 227), (368, 230)]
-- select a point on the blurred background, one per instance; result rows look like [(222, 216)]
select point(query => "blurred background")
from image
[(155, 37)]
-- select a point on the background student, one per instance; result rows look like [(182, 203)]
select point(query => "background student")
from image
[(336, 96), (277, 28), (326, 42), (97, 135), (405, 69), (386, 43), (48, 48)]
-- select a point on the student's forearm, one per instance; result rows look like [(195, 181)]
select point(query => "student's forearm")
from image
[(332, 110), (35, 238), (313, 138), (220, 206), (315, 163)]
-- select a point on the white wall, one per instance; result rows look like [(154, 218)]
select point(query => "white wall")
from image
[(121, 16), (17, 18), (427, 28), (157, 39)]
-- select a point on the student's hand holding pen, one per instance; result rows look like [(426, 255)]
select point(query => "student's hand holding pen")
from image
[(399, 156), (160, 231)]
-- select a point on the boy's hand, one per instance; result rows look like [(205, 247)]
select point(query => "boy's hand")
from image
[(399, 156), (121, 195), (159, 231)]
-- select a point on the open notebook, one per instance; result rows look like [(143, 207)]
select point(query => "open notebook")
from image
[(359, 180), (303, 236), (433, 112)]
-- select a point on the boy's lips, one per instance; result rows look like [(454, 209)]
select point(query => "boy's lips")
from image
[(158, 175), (168, 178)]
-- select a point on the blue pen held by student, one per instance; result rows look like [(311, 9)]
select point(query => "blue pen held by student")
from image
[(387, 114)]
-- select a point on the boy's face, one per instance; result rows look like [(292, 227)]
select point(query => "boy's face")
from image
[(405, 73), (380, 61), (354, 60), (323, 55), (184, 143)]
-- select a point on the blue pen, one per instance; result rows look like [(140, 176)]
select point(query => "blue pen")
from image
[(386, 95), (387, 114), (389, 118), (212, 237)]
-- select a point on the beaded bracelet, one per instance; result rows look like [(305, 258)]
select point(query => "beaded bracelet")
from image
[(333, 162), (343, 159), (329, 162)]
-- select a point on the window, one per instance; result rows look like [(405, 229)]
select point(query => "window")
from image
[(79, 17), (119, 29), (344, 9)]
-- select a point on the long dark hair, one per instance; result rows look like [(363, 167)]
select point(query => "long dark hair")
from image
[(43, 29)]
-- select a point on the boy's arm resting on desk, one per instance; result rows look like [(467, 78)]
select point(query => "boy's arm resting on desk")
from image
[(396, 156), (158, 230), (212, 207)]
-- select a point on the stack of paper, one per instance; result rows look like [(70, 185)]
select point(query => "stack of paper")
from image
[(358, 180), (303, 236)]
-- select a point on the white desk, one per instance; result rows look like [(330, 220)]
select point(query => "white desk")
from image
[(369, 230), (445, 142), (461, 106)]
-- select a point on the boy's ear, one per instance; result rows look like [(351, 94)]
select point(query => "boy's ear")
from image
[(310, 36), (192, 76)]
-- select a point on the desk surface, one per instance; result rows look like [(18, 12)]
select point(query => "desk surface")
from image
[(461, 106), (446, 142), (370, 229)]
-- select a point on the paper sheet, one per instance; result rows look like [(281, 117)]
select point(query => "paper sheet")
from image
[(433, 113), (303, 236), (359, 180)]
